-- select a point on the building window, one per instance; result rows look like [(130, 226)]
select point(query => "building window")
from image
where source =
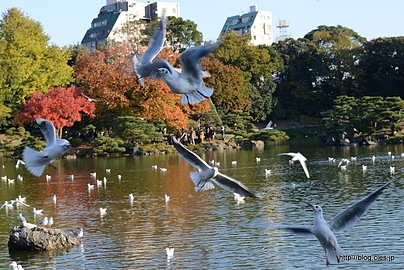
[(174, 11)]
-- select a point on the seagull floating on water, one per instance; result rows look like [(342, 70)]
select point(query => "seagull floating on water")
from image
[(170, 251), (21, 219), (302, 159), (36, 161), (103, 211), (324, 230), (16, 266), (166, 198), (238, 198), (37, 211), (208, 174)]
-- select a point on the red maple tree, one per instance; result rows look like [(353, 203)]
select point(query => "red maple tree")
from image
[(61, 105)]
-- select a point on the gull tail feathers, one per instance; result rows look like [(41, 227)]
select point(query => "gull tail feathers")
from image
[(197, 96), (332, 254), (200, 185), (31, 158)]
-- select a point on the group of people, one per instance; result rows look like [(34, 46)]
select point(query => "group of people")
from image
[(194, 136)]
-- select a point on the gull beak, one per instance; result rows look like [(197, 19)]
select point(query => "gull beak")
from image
[(309, 204)]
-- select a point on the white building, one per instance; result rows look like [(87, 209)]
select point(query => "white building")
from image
[(118, 12), (256, 23)]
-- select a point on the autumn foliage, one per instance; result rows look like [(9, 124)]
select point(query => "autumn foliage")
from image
[(61, 105), (109, 77)]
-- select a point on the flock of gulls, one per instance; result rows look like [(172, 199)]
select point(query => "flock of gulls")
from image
[(188, 83), (205, 178)]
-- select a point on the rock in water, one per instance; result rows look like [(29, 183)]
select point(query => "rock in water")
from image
[(38, 238)]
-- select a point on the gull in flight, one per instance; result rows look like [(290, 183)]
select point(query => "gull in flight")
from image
[(189, 82), (324, 230), (88, 98), (36, 161), (209, 175), (302, 159), (142, 66), (17, 165)]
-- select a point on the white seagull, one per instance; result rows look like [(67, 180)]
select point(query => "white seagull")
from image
[(166, 198), (50, 221), (78, 233), (44, 221), (17, 165), (36, 161), (324, 230), (189, 82), (142, 66), (21, 219), (302, 159), (170, 252), (208, 174), (103, 211), (37, 211)]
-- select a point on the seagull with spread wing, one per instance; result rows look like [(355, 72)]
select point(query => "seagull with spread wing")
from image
[(208, 175), (324, 230), (155, 45), (36, 161), (302, 159)]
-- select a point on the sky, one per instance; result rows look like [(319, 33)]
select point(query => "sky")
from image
[(66, 22)]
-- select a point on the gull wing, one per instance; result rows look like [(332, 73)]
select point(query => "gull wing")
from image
[(48, 130), (190, 61), (232, 185), (150, 68), (298, 156), (304, 230), (155, 43), (349, 216), (190, 156)]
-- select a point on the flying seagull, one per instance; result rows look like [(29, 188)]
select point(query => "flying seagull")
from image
[(324, 230), (154, 47), (189, 81), (209, 175), (302, 159), (36, 161)]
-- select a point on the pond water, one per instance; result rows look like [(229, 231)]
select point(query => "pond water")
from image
[(208, 229)]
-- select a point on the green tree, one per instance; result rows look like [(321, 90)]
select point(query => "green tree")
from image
[(136, 130), (297, 90), (257, 67), (27, 61), (340, 49), (383, 66), (182, 34)]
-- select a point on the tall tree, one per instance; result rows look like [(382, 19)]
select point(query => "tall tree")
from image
[(383, 66), (63, 106), (107, 76), (27, 61), (182, 34), (257, 68), (341, 49)]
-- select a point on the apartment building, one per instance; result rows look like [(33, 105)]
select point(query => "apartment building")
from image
[(257, 23), (116, 13)]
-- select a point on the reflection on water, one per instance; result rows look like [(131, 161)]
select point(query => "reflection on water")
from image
[(209, 230)]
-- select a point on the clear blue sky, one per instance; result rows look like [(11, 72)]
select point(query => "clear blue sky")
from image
[(67, 21)]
